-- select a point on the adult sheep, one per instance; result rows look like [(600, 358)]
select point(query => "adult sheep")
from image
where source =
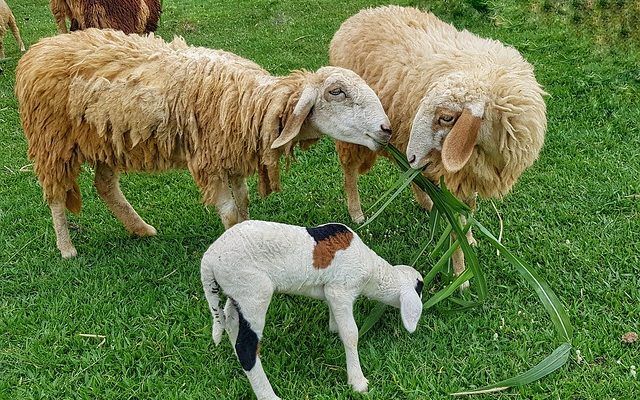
[(129, 16), (467, 108), (136, 103)]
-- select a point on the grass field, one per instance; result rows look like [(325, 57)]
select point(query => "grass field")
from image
[(575, 216)]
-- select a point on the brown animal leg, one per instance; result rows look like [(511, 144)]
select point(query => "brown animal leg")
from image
[(16, 32), (219, 193), (60, 11), (63, 239), (108, 186), (240, 194), (354, 160), (421, 197)]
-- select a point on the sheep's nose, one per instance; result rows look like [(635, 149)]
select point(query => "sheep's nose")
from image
[(386, 128), (413, 159)]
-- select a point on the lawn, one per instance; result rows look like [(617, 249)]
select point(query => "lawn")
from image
[(574, 216)]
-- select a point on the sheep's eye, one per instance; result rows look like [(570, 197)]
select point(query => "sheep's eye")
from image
[(336, 92), (447, 119)]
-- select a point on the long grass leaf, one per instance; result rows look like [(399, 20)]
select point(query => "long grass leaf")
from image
[(551, 363), (372, 318), (446, 292), (548, 298), (391, 198)]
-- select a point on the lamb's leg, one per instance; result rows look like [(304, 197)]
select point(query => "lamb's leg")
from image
[(333, 327), (219, 193), (421, 197), (61, 226), (248, 320), (2, 33), (341, 305), (108, 187), (241, 196)]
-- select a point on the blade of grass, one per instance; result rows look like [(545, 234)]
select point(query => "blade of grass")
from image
[(404, 184), (548, 298), (551, 363), (372, 318), (447, 291)]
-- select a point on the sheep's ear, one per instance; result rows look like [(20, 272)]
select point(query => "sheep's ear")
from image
[(410, 308), (459, 143), (299, 114)]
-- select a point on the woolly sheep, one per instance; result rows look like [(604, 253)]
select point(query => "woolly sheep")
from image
[(8, 20), (136, 103), (467, 108), (255, 259), (129, 16)]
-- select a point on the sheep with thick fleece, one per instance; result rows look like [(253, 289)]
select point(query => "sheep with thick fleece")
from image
[(255, 259), (466, 107), (136, 103), (8, 20), (129, 16)]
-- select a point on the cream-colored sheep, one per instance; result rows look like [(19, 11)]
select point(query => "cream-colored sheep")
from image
[(467, 108), (8, 20), (129, 16), (136, 103)]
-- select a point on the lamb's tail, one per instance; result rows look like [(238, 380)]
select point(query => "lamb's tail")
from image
[(211, 292)]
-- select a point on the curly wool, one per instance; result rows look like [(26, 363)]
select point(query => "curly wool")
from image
[(402, 53), (129, 16), (139, 103)]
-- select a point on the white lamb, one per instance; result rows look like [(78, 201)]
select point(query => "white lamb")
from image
[(255, 259), (136, 103), (468, 108)]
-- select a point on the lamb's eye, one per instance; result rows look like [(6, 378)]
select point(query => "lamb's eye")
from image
[(336, 92), (447, 119)]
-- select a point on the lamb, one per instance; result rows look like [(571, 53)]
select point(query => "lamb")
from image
[(136, 103), (255, 259), (468, 109), (129, 16), (8, 20)]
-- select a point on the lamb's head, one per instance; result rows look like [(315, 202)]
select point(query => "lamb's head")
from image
[(485, 125), (337, 102), (402, 288)]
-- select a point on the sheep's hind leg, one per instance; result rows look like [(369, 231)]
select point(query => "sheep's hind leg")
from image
[(61, 226), (108, 187), (245, 332)]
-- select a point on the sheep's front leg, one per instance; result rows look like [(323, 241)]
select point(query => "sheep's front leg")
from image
[(107, 183), (341, 304), (240, 194), (421, 197)]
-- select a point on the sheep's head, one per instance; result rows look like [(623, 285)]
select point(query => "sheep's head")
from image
[(338, 103), (448, 120), (480, 130)]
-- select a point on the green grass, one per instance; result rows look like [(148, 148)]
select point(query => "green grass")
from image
[(574, 216)]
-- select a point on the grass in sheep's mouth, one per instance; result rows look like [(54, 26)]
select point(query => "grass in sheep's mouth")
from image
[(446, 212)]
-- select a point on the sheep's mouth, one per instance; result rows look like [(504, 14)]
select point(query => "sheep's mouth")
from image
[(382, 140)]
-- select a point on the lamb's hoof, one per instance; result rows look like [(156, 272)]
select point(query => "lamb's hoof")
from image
[(68, 252), (361, 386), (144, 230)]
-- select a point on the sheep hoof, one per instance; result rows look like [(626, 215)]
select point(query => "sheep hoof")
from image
[(361, 385), (464, 286), (68, 252), (145, 230), (358, 217)]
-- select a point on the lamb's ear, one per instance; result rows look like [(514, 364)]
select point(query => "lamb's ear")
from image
[(299, 114), (459, 143), (410, 308)]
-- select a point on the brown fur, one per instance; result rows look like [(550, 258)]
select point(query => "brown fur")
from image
[(129, 16), (133, 103), (8, 20), (326, 249)]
